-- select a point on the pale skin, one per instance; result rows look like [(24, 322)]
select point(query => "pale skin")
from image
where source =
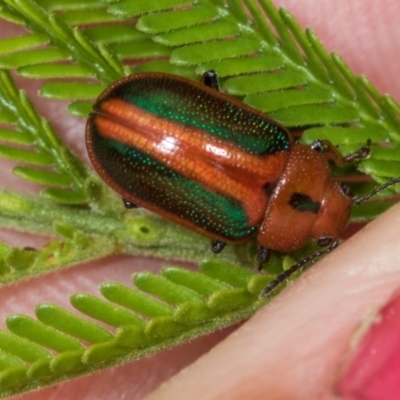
[(292, 348)]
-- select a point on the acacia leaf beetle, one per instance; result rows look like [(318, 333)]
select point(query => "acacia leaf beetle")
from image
[(213, 164)]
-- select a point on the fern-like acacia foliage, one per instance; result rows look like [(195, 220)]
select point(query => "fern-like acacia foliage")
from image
[(77, 48)]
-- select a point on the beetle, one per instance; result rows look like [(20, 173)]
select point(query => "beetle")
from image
[(209, 162)]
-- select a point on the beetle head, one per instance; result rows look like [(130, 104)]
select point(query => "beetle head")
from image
[(333, 214)]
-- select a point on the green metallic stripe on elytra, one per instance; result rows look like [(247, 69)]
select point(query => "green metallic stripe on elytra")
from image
[(155, 184), (187, 104)]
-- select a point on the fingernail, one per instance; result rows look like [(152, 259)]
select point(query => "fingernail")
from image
[(373, 371)]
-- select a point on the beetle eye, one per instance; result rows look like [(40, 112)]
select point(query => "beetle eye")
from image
[(346, 189), (325, 241)]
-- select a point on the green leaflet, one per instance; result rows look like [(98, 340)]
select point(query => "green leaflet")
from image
[(192, 304)]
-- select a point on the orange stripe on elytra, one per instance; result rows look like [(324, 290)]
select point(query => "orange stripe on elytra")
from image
[(193, 153), (195, 140)]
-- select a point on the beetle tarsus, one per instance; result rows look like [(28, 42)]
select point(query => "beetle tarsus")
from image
[(263, 256), (210, 79), (360, 154), (217, 246), (128, 204)]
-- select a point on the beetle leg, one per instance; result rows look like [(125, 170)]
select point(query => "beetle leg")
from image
[(339, 159), (263, 256), (210, 79), (128, 204), (296, 267), (217, 246)]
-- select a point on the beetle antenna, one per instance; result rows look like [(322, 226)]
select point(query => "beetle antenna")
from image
[(296, 267), (361, 200)]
